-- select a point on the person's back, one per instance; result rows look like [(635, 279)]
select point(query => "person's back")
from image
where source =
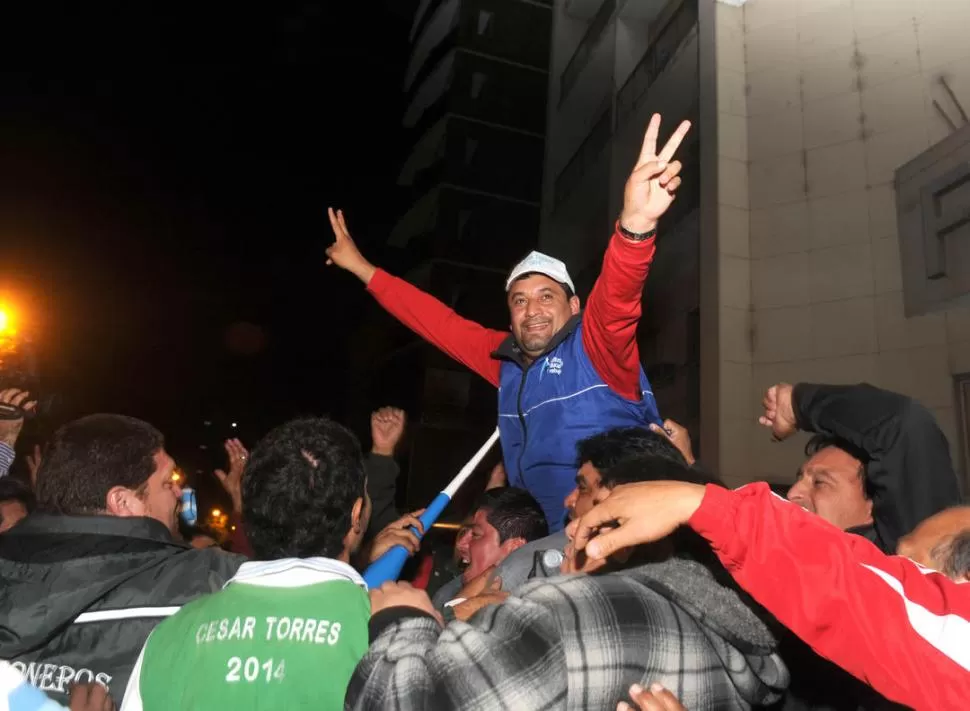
[(85, 584), (574, 642), (287, 632)]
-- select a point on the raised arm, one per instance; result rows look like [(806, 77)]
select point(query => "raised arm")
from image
[(909, 474), (900, 628), (470, 343), (614, 306)]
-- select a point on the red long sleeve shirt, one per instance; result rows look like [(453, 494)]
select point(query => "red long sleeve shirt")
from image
[(899, 627), (609, 321)]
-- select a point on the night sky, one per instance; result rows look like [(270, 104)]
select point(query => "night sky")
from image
[(166, 169)]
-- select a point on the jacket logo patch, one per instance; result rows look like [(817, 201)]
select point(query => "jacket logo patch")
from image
[(551, 365), (58, 677)]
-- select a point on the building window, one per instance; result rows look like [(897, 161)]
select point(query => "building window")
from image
[(663, 47), (933, 214), (478, 82), (585, 156), (585, 49), (484, 22), (471, 146)]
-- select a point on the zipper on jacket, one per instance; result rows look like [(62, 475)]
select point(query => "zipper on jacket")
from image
[(525, 428)]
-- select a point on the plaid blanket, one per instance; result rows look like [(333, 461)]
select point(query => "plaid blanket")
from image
[(578, 642)]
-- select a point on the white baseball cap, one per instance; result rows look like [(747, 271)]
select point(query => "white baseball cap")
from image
[(541, 264)]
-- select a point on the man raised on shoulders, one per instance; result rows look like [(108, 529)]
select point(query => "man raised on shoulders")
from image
[(588, 376)]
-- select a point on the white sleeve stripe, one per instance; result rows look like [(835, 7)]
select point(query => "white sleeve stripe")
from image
[(125, 614), (948, 633)]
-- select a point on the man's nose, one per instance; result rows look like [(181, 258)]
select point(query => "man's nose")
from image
[(796, 493)]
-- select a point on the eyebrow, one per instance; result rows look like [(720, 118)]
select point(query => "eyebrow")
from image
[(542, 289)]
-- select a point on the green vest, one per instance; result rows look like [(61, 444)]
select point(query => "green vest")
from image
[(253, 646)]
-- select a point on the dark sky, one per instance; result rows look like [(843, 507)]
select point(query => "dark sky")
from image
[(166, 169)]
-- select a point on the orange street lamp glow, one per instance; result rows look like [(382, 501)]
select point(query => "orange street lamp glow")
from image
[(216, 513)]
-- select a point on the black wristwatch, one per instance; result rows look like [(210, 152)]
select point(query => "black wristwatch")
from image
[(635, 236)]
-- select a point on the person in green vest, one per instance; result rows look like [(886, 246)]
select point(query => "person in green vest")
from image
[(287, 631)]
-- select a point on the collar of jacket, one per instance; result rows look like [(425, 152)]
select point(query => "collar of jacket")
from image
[(295, 572), (141, 527), (871, 534), (509, 349)]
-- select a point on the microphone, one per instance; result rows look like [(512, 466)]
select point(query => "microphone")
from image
[(389, 565)]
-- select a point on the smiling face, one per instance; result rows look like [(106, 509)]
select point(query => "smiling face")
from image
[(538, 308)]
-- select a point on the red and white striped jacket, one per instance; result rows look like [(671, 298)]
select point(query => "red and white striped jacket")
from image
[(897, 626)]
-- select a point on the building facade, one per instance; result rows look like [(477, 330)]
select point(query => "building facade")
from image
[(829, 240), (475, 123)]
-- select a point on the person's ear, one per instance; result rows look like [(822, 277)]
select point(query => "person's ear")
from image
[(513, 544), (574, 305), (120, 502), (356, 514)]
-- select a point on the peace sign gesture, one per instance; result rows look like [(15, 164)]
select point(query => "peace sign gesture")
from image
[(651, 186), (343, 252)]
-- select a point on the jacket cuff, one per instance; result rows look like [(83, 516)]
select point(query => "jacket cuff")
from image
[(388, 616), (801, 395), (379, 282)]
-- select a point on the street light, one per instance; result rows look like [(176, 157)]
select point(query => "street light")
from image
[(216, 513)]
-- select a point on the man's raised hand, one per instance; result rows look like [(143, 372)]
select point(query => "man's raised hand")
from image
[(386, 428), (232, 481), (343, 252), (633, 514), (654, 180), (779, 412)]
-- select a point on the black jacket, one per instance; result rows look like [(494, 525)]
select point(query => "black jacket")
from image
[(909, 473), (382, 474), (79, 595)]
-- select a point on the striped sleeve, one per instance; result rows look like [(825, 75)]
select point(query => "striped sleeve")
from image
[(6, 458), (899, 627)]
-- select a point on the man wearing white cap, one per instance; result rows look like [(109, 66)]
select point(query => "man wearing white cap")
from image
[(588, 377)]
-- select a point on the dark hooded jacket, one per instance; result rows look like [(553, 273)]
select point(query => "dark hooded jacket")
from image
[(79, 595)]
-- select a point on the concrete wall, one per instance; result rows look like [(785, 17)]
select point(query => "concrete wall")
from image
[(819, 102)]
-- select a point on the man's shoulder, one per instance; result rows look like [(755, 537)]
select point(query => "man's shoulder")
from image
[(521, 565), (205, 570)]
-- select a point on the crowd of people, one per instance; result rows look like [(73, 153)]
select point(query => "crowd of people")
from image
[(603, 566)]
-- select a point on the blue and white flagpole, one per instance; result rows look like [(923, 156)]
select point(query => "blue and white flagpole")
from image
[(389, 565)]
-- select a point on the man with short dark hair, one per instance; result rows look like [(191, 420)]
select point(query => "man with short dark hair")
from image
[(505, 519), (601, 464), (286, 632), (562, 374), (576, 641), (87, 579), (879, 463)]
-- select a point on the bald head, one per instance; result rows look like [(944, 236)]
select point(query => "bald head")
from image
[(941, 542)]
